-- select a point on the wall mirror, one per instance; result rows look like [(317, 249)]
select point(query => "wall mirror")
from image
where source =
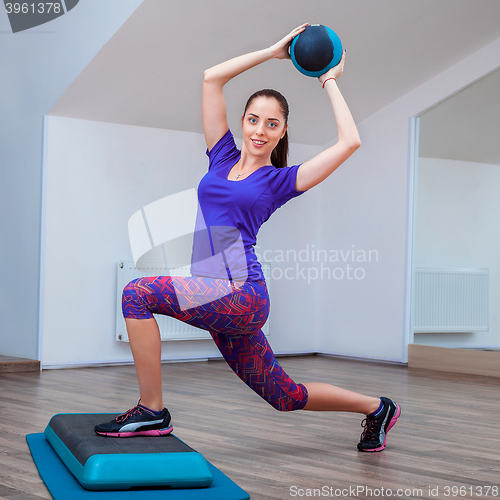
[(456, 294)]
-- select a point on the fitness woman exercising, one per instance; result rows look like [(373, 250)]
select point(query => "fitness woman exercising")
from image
[(237, 195)]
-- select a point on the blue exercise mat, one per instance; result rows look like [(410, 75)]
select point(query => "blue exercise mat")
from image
[(63, 485)]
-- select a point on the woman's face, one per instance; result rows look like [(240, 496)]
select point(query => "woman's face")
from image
[(263, 126)]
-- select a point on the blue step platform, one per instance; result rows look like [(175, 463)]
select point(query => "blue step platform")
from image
[(106, 463)]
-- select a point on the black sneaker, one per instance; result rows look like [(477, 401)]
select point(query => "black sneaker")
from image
[(374, 436), (138, 421)]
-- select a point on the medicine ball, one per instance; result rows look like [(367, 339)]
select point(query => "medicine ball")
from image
[(316, 50)]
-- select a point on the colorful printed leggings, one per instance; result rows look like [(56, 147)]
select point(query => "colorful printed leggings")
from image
[(233, 313)]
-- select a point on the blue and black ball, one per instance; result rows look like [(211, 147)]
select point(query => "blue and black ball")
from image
[(316, 50)]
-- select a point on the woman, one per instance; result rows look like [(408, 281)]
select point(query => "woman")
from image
[(227, 293)]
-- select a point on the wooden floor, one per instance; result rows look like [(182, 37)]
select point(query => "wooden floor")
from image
[(448, 435)]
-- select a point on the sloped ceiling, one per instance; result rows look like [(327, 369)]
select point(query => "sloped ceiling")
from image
[(150, 72), (466, 126)]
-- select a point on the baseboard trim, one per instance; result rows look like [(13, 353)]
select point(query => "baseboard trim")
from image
[(100, 364), (359, 358), (10, 364), (448, 359)]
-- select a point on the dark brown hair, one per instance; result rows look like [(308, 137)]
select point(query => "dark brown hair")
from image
[(279, 155)]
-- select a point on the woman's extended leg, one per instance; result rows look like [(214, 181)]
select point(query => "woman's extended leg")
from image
[(326, 397), (252, 359)]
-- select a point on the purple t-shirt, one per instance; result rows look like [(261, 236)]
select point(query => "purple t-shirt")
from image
[(230, 213)]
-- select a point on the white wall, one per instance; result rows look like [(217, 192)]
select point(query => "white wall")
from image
[(367, 203), (97, 176), (458, 209), (37, 66)]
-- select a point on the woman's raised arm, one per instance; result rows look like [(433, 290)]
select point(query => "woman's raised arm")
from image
[(214, 105), (317, 169)]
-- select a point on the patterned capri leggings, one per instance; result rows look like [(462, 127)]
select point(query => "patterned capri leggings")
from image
[(233, 313)]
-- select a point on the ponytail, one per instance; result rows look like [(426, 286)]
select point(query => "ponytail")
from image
[(279, 156)]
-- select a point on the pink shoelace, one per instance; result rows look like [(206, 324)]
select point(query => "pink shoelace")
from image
[(129, 413), (368, 424)]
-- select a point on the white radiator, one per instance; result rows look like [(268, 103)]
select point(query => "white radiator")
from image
[(170, 328), (451, 300)]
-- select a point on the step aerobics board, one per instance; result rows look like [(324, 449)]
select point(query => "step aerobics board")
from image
[(107, 463)]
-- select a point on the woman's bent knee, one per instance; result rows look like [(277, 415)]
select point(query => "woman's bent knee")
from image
[(294, 400), (133, 303)]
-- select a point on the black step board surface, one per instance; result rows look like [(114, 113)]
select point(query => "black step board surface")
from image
[(76, 431)]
